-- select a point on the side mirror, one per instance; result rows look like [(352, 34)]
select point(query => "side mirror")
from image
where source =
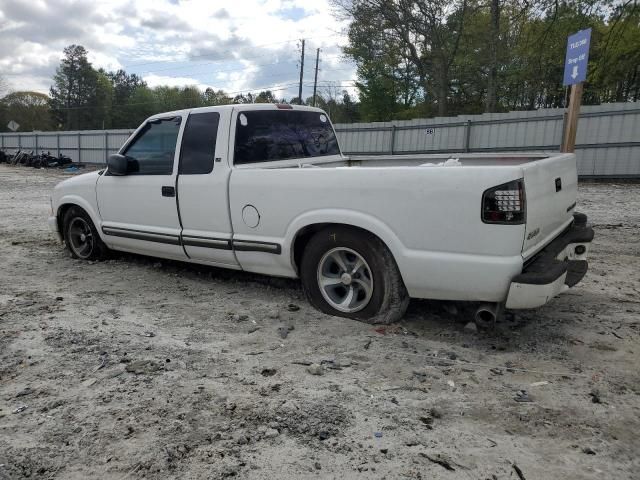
[(117, 164)]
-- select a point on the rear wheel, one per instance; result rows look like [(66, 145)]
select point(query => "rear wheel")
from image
[(81, 237), (349, 273)]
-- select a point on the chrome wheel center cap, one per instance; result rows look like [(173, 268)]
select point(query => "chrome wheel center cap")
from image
[(345, 278)]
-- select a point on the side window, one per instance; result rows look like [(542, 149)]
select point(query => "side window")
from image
[(152, 151), (199, 143), (270, 135)]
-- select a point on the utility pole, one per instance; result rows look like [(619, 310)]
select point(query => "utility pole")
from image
[(301, 72), (315, 80)]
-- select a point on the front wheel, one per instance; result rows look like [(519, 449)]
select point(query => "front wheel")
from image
[(349, 273), (81, 237)]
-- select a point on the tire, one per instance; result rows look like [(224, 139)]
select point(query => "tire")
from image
[(378, 294), (81, 236)]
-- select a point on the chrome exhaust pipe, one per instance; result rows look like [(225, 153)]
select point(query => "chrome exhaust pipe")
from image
[(486, 314)]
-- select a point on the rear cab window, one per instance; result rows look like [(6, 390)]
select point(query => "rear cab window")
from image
[(272, 135)]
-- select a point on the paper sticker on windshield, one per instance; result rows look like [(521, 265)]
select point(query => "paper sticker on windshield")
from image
[(243, 120), (323, 118)]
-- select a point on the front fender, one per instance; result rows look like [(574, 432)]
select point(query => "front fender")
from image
[(71, 199)]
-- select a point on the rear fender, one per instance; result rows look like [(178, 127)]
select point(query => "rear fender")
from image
[(343, 217)]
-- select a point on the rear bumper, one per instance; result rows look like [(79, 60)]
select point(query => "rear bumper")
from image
[(556, 268)]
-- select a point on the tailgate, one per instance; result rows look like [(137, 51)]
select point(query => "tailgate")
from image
[(550, 187)]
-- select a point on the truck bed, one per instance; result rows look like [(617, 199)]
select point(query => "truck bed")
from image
[(412, 160), (427, 211), (465, 159)]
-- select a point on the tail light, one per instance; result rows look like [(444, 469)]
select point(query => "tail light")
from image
[(504, 204)]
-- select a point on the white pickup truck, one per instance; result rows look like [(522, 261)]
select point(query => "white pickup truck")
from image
[(265, 188)]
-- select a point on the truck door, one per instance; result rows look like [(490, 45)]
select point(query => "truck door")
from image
[(203, 199), (138, 210)]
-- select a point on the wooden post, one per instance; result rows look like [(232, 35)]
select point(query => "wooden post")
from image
[(467, 136), (392, 147), (106, 146), (571, 125)]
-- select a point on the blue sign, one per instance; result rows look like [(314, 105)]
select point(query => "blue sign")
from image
[(577, 58)]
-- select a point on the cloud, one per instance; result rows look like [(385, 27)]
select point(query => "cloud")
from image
[(221, 14), (159, 80), (231, 45)]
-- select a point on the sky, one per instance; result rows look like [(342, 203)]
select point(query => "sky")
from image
[(238, 46)]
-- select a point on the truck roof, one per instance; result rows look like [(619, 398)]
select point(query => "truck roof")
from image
[(239, 107)]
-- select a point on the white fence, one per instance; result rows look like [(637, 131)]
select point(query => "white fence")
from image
[(607, 143), (608, 139), (86, 146)]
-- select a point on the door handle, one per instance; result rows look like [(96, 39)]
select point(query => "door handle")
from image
[(558, 184), (168, 191)]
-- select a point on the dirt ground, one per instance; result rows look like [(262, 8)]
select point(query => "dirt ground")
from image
[(143, 368)]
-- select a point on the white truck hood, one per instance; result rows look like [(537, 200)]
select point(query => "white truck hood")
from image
[(79, 180)]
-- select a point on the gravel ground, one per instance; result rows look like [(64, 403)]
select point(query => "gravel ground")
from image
[(143, 368)]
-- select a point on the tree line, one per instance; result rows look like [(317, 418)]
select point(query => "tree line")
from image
[(420, 58), (414, 58)]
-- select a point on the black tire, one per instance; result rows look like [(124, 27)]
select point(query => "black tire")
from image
[(81, 236), (389, 299)]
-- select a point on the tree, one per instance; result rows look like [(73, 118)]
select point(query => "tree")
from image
[(242, 98), (337, 102), (103, 100), (377, 94), (75, 91), (168, 98), (124, 86), (191, 97), (494, 39), (212, 97), (142, 104), (615, 69), (29, 109), (266, 97), (426, 32), (4, 86), (350, 110)]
